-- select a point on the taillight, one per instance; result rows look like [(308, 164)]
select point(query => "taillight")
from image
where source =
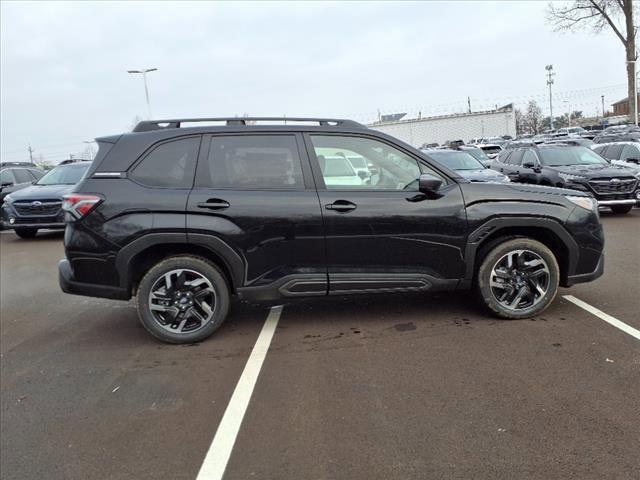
[(79, 205)]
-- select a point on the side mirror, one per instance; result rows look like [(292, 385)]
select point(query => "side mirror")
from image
[(528, 165), (363, 175), (633, 160), (429, 183)]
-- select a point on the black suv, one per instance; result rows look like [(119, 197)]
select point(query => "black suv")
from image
[(185, 217), (578, 168)]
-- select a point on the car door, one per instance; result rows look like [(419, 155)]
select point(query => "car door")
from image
[(511, 167), (382, 234), (255, 193), (530, 168)]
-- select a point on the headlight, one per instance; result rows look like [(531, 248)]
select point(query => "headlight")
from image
[(584, 202), (570, 178), (8, 199)]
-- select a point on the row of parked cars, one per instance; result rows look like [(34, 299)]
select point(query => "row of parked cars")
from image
[(609, 171)]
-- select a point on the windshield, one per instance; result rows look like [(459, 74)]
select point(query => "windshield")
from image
[(477, 153), (456, 160), (557, 157), (64, 175)]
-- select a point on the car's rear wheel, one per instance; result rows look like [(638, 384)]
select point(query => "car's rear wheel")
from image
[(26, 232), (518, 278), (621, 208), (183, 299)]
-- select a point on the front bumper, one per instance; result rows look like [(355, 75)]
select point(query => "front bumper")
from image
[(11, 220), (608, 203), (586, 277), (69, 284)]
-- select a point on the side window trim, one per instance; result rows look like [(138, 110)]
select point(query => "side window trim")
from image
[(319, 178)]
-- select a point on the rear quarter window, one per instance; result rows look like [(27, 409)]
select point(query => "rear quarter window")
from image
[(169, 165)]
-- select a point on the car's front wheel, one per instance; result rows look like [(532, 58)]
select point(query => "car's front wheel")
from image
[(621, 208), (26, 232), (518, 278), (183, 299)]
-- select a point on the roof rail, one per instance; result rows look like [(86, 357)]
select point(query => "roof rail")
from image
[(149, 125)]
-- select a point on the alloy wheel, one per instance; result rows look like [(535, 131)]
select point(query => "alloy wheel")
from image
[(182, 301), (520, 280)]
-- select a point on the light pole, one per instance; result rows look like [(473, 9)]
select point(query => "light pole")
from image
[(602, 97), (144, 72), (568, 107), (550, 75)]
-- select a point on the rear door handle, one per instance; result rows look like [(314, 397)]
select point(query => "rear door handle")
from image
[(214, 204), (342, 206)]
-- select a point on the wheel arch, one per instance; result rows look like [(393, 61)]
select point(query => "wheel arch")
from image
[(547, 231), (134, 260)]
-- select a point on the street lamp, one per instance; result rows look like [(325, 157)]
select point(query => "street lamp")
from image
[(550, 75), (146, 89)]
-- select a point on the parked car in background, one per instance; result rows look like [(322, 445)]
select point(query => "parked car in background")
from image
[(570, 131), (492, 150), (578, 168), (494, 141), (575, 141), (466, 165), (627, 153), (40, 205), (476, 153), (15, 176)]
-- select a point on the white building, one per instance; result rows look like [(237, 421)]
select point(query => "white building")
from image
[(459, 126)]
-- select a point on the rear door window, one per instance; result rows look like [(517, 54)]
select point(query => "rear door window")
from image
[(529, 157), (614, 152), (169, 165), (252, 162), (22, 175), (515, 158)]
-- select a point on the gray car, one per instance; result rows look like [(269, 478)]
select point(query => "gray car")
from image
[(466, 165)]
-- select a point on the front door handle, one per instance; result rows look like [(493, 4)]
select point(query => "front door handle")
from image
[(342, 206), (214, 204)]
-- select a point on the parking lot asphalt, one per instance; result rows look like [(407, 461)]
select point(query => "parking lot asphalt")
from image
[(404, 386)]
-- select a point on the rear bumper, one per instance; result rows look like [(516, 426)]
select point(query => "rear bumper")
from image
[(586, 277), (68, 284)]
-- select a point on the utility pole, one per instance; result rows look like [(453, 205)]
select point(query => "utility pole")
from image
[(602, 97), (469, 103), (30, 150), (550, 75), (144, 72)]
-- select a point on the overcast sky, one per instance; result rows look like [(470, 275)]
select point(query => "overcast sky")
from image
[(64, 80)]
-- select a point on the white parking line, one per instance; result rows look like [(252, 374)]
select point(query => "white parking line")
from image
[(606, 317), (219, 452)]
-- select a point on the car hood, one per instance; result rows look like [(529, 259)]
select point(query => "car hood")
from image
[(591, 171), (36, 192), (483, 175)]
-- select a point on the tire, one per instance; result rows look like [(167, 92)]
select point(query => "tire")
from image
[(535, 265), (620, 209), (26, 232), (174, 319)]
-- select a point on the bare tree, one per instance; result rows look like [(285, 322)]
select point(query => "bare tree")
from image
[(599, 15), (521, 125), (533, 117)]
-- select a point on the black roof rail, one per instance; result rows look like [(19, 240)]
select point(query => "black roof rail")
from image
[(149, 125)]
